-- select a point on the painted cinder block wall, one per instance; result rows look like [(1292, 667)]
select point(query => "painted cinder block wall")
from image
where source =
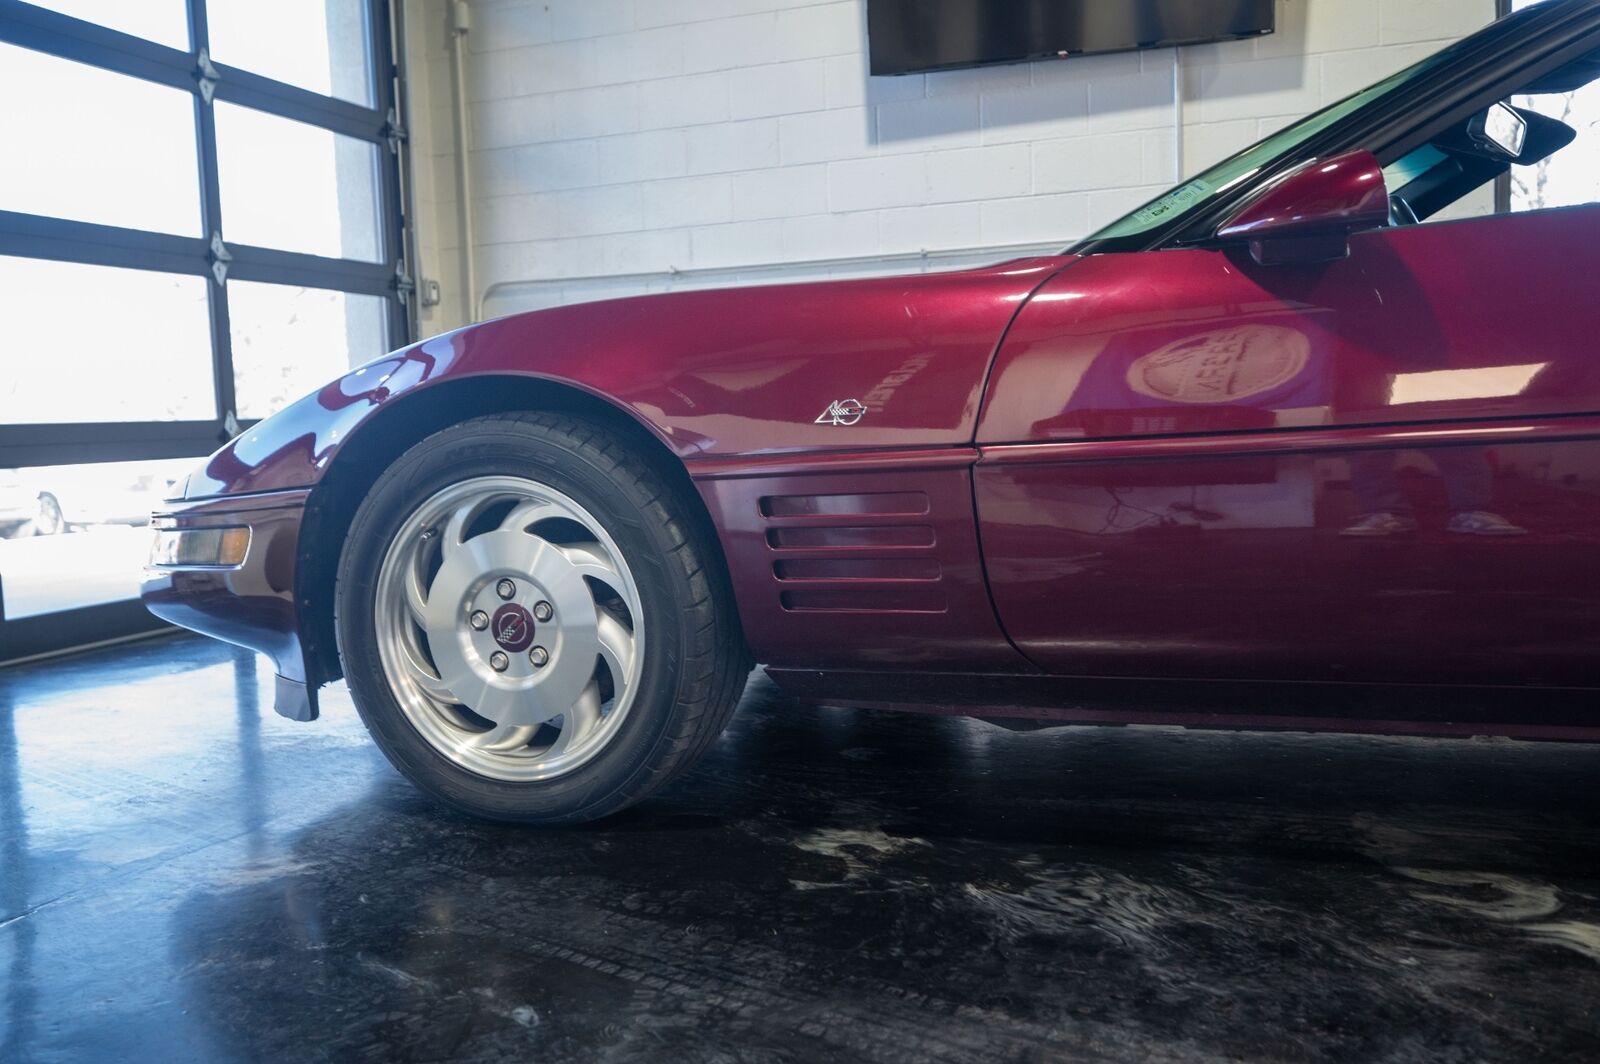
[(634, 136)]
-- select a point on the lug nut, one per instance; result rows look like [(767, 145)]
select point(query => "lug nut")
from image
[(542, 611), (499, 662), (505, 589), (479, 620), (538, 657)]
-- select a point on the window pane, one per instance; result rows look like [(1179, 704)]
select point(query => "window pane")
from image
[(319, 45), (289, 341), (1571, 176), (290, 185), (75, 536), (163, 21), (99, 147), (103, 344)]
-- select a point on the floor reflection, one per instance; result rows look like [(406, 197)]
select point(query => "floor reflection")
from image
[(827, 884), (22, 996)]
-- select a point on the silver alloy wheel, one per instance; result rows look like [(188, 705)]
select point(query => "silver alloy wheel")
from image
[(459, 604)]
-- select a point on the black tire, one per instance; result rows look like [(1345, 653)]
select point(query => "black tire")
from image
[(694, 667)]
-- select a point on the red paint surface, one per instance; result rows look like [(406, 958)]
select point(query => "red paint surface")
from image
[(1345, 194), (866, 567), (1195, 432), (712, 374), (252, 605), (1159, 453)]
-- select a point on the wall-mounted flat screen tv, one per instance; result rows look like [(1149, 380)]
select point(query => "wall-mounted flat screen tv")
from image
[(908, 36)]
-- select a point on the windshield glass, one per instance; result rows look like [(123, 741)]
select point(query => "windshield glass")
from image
[(1227, 174)]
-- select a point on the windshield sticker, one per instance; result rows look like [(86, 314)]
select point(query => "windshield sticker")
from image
[(1174, 202)]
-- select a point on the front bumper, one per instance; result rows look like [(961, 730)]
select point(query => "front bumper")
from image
[(251, 604)]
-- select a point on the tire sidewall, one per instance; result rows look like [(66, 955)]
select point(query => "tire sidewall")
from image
[(538, 452)]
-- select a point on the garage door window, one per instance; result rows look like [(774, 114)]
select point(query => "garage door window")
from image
[(76, 536), (87, 338), (199, 223), (289, 340), (139, 131), (296, 186), (314, 44)]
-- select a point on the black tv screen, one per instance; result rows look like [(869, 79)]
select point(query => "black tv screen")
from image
[(908, 36)]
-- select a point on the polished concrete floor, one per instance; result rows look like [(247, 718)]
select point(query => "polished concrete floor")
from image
[(187, 877)]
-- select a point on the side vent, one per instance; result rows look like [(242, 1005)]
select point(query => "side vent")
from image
[(865, 553), (852, 537), (898, 503)]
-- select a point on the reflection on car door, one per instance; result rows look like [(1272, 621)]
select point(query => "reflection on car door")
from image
[(1385, 468)]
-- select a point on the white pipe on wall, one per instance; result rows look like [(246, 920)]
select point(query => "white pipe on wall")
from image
[(460, 26), (1177, 116)]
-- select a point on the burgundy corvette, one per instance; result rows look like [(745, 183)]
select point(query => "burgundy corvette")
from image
[(1287, 425)]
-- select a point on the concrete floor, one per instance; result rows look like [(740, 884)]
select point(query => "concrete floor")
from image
[(188, 877)]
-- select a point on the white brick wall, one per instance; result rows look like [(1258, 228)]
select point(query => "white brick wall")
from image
[(635, 136)]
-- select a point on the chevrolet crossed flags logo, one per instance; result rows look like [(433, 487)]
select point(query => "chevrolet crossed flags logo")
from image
[(842, 412)]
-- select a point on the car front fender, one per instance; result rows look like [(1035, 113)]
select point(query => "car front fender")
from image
[(884, 363)]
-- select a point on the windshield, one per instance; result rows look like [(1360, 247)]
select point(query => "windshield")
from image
[(1227, 174)]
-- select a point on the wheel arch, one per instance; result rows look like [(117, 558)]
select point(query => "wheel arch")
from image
[(411, 417)]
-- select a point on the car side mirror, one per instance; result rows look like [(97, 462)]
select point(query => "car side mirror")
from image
[(1309, 215)]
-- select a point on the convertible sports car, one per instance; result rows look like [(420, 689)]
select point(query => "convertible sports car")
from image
[(1303, 418)]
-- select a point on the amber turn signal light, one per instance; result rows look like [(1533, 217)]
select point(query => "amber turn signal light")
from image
[(222, 548)]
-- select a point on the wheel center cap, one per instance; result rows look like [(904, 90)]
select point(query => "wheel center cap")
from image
[(512, 627)]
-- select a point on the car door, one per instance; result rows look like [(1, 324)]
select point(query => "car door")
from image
[(1182, 452)]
